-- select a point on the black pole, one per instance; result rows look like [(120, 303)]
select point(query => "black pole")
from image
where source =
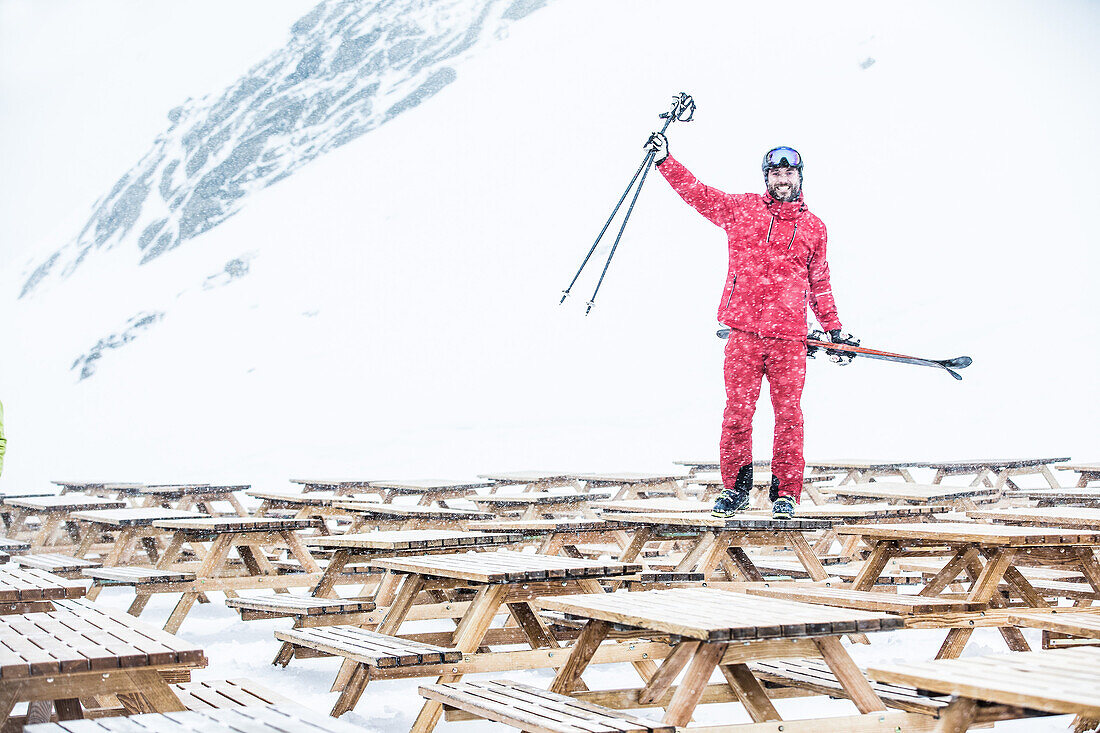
[(645, 164)]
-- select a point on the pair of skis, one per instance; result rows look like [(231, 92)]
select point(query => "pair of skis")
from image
[(948, 365)]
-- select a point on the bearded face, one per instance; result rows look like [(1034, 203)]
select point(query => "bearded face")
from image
[(784, 184)]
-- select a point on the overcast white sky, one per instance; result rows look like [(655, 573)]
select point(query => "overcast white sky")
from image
[(72, 72)]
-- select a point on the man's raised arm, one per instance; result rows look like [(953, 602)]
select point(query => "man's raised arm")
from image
[(715, 205)]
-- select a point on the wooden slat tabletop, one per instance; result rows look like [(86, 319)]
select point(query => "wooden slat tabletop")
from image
[(628, 477), (31, 584), (848, 464), (91, 485), (526, 477), (759, 478), (134, 516), (179, 491), (716, 615), (92, 639), (1071, 517), (235, 524), (535, 498), (743, 521), (848, 598), (411, 539), (309, 498), (1075, 496), (863, 512), (907, 492), (65, 502), (7, 493), (259, 719), (1080, 467), (7, 545), (505, 567), (421, 485), (542, 526), (994, 464), (398, 511), (981, 534), (1054, 680), (1082, 623)]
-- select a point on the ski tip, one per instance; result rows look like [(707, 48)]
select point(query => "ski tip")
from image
[(959, 362), (722, 333), (954, 374)]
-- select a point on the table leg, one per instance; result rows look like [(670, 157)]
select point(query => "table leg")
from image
[(632, 550), (694, 682), (157, 695), (985, 585), (702, 543), (751, 693), (955, 566), (299, 551), (591, 636), (214, 561), (874, 565), (325, 586), (744, 564), (1049, 476), (670, 668), (471, 630), (848, 674), (45, 533), (806, 555), (534, 628), (236, 504)]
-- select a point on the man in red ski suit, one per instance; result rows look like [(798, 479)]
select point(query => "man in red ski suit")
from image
[(777, 268)]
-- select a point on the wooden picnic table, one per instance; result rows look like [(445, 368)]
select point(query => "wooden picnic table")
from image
[(24, 590), (716, 541), (863, 471), (1072, 624), (632, 485), (714, 628), (1002, 548), (53, 512), (188, 496), (59, 658), (963, 497), (996, 472), (134, 527), (254, 719), (319, 505), (92, 488), (246, 536), (1006, 686), (429, 490), (533, 480), (501, 579), (537, 504), (1089, 472)]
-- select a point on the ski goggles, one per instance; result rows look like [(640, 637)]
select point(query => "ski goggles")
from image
[(782, 157)]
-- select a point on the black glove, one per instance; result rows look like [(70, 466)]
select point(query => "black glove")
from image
[(658, 143), (843, 358)]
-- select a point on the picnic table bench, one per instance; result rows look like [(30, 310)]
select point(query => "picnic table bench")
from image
[(562, 535), (9, 493), (259, 719), (996, 472), (718, 629), (536, 504), (1070, 517), (1006, 686), (1062, 626), (1001, 547), (134, 528), (338, 486), (500, 580), (1086, 497), (25, 590), (1089, 472), (695, 467), (63, 656), (963, 497), (402, 516)]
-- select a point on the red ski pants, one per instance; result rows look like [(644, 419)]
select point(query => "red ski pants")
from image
[(748, 359)]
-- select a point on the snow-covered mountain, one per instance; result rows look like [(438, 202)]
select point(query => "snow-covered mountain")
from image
[(347, 68)]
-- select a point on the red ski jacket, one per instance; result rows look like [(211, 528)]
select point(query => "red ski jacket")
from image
[(777, 258)]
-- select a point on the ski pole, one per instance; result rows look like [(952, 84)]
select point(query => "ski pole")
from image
[(683, 110), (626, 218), (565, 293)]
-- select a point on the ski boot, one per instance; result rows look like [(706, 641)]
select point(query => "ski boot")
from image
[(731, 501)]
